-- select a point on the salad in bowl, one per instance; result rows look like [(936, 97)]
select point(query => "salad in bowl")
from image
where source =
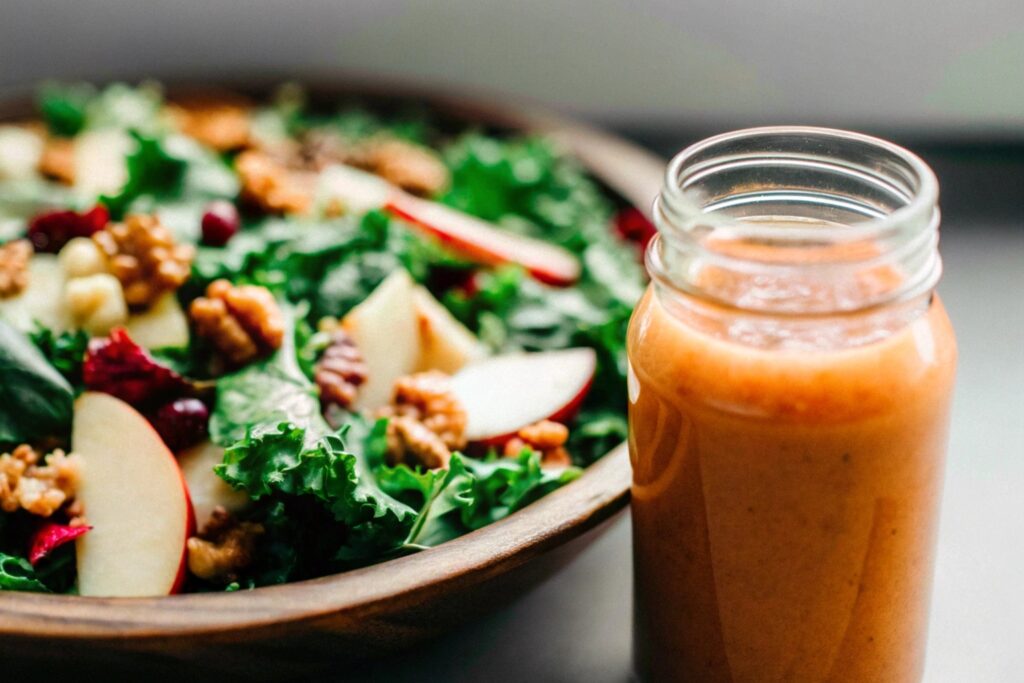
[(247, 343)]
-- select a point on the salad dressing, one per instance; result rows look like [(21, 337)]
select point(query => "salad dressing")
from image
[(787, 467)]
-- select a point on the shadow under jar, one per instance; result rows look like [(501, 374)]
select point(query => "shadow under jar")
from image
[(790, 379)]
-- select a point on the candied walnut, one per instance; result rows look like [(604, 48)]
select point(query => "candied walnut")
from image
[(220, 123), (143, 255), (223, 548), (426, 423), (14, 258), (39, 487), (412, 167), (243, 322), (411, 442), (58, 159), (545, 437), (340, 370), (274, 187)]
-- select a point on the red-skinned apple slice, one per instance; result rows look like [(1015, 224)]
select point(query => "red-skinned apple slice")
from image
[(484, 242), (135, 499), (503, 394), (205, 488)]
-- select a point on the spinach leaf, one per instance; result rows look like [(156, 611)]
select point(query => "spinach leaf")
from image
[(267, 393), (39, 400)]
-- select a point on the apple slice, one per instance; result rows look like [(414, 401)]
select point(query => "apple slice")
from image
[(358, 191), (503, 394), (163, 325), (205, 488), (135, 499), (42, 300), (100, 165), (22, 147), (385, 328), (486, 243), (445, 343)]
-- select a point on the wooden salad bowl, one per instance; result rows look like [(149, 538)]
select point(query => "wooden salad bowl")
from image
[(309, 626)]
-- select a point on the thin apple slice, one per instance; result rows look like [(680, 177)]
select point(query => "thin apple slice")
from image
[(22, 147), (100, 160), (356, 190), (486, 243), (135, 499), (205, 488), (43, 298), (163, 325), (385, 328), (445, 343), (503, 394)]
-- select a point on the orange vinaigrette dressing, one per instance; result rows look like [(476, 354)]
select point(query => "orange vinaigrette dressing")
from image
[(786, 484)]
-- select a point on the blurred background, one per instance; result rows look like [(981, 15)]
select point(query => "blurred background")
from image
[(945, 78)]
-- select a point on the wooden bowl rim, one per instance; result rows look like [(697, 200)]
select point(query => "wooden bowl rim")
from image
[(600, 492)]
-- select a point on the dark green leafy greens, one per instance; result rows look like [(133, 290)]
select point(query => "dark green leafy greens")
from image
[(39, 399), (65, 351)]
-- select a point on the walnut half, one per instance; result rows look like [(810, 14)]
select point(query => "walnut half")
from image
[(223, 548), (14, 259), (242, 321), (545, 437), (426, 423), (39, 486)]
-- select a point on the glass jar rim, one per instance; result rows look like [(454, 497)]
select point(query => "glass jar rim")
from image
[(920, 205)]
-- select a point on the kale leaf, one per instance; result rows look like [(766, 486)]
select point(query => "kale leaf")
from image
[(64, 350)]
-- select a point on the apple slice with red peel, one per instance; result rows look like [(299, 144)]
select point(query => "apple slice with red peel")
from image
[(486, 243), (503, 394), (385, 329), (135, 499), (205, 488)]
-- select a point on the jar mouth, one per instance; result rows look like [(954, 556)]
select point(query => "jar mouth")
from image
[(797, 220), (808, 146)]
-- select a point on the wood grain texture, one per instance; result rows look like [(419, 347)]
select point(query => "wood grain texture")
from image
[(319, 624)]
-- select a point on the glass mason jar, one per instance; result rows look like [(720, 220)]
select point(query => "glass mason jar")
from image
[(790, 379)]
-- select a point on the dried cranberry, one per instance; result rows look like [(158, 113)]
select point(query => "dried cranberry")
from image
[(50, 231), (220, 223), (51, 536), (632, 225), (182, 422), (120, 367)]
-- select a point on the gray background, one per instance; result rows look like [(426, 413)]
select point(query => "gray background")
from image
[(930, 65), (946, 77)]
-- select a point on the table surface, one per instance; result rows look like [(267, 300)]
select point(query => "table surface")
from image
[(576, 626)]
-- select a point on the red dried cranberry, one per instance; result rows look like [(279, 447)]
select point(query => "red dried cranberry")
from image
[(632, 225), (51, 536), (50, 231), (120, 367), (220, 223), (182, 423)]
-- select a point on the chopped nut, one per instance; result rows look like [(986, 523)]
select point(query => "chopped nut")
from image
[(217, 122), (545, 437), (414, 168), (223, 548), (427, 422), (411, 442), (274, 187), (14, 258), (242, 322), (340, 370), (58, 159), (37, 488), (144, 256)]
